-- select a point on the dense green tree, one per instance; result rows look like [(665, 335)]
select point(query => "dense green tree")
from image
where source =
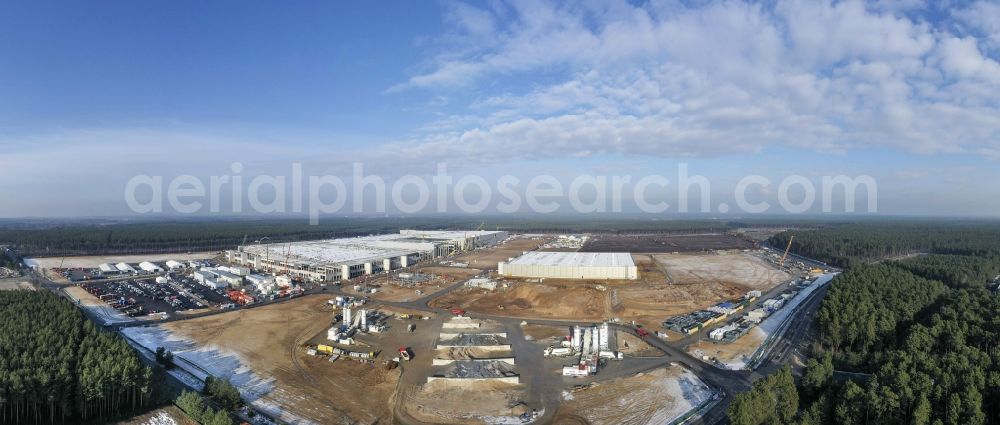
[(817, 374), (57, 367), (772, 400), (918, 336), (223, 392), (219, 417), (191, 403)]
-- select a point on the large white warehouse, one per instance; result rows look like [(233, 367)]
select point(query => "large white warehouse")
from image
[(571, 265), (347, 258)]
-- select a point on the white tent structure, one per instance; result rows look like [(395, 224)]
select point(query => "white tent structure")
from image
[(150, 267)]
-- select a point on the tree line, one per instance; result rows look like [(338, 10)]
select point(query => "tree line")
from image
[(57, 367), (206, 235), (910, 341), (858, 243)]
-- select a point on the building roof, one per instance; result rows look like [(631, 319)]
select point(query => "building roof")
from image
[(359, 250), (146, 265), (448, 235), (575, 259)]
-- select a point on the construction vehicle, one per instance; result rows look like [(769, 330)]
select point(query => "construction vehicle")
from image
[(788, 248), (404, 353), (643, 333)]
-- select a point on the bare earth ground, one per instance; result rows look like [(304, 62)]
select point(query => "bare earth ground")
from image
[(97, 260), (633, 346), (445, 275), (544, 333), (697, 242), (390, 290), (655, 397), (727, 267), (438, 402), (487, 259), (15, 283), (735, 354), (699, 281), (268, 340)]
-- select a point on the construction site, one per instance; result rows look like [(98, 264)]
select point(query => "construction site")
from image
[(666, 284), (457, 337)]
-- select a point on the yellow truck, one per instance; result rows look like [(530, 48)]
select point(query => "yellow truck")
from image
[(325, 349)]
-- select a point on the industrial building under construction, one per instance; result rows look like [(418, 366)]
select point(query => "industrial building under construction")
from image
[(347, 258), (571, 265)]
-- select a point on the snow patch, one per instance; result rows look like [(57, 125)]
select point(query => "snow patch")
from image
[(161, 418), (195, 363)]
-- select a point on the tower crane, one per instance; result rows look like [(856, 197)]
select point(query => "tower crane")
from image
[(787, 248)]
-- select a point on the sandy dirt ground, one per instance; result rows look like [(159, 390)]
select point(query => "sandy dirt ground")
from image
[(646, 300), (269, 340), (550, 300), (487, 259), (734, 355), (438, 402), (635, 347), (545, 333), (725, 267), (15, 283), (97, 260), (389, 289), (655, 397)]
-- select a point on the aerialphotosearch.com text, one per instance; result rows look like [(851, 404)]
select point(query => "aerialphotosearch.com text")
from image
[(240, 191)]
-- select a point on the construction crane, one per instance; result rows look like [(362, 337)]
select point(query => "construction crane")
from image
[(288, 252), (787, 248)]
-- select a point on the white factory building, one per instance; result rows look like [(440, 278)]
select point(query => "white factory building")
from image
[(571, 265), (348, 258)]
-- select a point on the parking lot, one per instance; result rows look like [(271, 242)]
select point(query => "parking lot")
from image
[(137, 297)]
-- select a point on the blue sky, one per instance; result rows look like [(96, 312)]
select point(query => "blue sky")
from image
[(94, 93)]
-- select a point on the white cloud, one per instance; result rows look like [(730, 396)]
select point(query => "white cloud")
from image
[(714, 79)]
